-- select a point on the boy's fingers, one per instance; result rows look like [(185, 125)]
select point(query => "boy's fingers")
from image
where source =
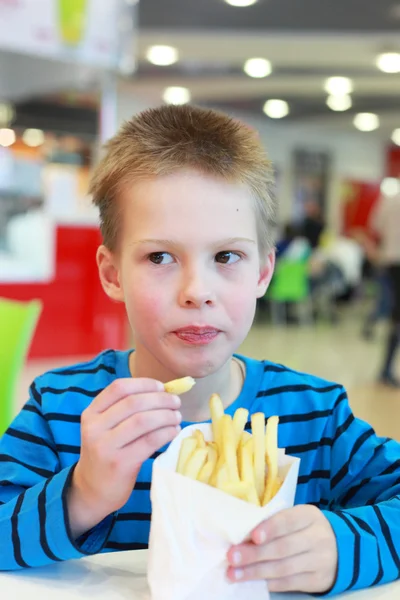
[(143, 448), (284, 523), (271, 570), (140, 424), (281, 548), (120, 388), (132, 405)]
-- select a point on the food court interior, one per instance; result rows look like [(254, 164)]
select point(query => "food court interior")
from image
[(319, 82)]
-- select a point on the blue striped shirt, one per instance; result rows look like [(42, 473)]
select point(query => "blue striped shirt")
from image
[(345, 470)]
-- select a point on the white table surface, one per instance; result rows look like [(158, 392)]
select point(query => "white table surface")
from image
[(118, 576)]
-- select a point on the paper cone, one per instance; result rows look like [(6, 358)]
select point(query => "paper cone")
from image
[(194, 525)]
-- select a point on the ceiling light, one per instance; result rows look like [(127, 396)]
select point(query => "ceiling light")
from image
[(366, 121), (241, 2), (162, 55), (33, 137), (339, 103), (176, 95), (276, 109), (338, 86), (390, 186), (257, 67), (396, 137), (7, 137), (389, 62)]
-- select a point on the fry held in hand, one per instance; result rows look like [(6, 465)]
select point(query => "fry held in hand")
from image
[(236, 462), (179, 386)]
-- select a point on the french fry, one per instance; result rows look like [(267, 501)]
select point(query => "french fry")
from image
[(188, 447), (179, 386), (258, 429), (247, 472), (229, 448), (239, 490), (246, 462), (206, 472), (222, 477), (271, 451), (195, 463), (201, 443), (246, 435), (212, 454), (239, 421), (217, 411)]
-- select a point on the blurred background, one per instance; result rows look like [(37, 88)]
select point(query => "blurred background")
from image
[(319, 81)]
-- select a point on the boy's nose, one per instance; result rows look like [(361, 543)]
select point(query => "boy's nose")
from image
[(195, 292)]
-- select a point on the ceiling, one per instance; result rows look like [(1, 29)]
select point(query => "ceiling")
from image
[(289, 15), (305, 40)]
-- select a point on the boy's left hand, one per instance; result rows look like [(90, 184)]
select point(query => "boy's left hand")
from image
[(295, 550)]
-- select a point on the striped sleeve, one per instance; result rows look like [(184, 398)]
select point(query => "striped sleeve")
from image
[(34, 528), (364, 502)]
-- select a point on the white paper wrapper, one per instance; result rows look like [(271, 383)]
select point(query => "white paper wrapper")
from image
[(194, 525)]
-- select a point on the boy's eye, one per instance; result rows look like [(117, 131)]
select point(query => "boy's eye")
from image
[(227, 258), (160, 258)]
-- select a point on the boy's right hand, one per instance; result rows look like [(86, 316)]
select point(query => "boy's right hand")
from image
[(125, 424)]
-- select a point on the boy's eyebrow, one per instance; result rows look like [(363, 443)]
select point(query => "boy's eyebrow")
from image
[(172, 243)]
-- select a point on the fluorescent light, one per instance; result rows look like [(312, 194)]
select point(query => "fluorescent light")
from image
[(396, 137), (366, 121), (389, 62), (339, 103), (162, 55), (257, 67), (390, 186), (276, 109), (7, 137), (33, 137), (241, 2), (176, 95), (338, 86)]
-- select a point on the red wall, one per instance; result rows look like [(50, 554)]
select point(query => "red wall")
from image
[(77, 318), (358, 201)]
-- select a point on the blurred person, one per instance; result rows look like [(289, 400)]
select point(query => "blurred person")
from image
[(375, 270), (385, 222), (292, 245), (186, 219), (313, 223)]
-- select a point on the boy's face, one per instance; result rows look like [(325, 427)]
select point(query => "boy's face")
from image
[(188, 270)]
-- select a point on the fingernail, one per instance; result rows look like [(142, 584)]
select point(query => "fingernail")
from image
[(238, 574), (178, 428), (236, 558), (262, 537), (177, 401), (178, 416)]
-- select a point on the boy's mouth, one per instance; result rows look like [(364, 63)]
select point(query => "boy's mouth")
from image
[(197, 335)]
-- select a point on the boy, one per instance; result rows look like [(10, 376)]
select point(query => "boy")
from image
[(186, 218)]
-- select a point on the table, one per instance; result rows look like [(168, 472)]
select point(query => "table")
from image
[(118, 576)]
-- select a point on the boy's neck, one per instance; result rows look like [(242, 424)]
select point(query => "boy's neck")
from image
[(227, 382)]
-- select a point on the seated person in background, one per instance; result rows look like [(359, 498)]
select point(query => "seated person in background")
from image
[(186, 218), (293, 245)]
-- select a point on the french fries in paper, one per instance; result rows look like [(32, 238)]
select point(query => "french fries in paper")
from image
[(236, 462), (193, 526)]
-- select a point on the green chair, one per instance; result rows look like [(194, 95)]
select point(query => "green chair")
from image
[(290, 283), (17, 325)]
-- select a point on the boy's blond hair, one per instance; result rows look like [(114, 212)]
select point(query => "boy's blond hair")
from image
[(165, 140)]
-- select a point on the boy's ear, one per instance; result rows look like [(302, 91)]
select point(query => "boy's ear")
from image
[(109, 274), (266, 272)]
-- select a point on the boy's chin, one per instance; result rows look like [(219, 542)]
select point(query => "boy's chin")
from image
[(200, 367)]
